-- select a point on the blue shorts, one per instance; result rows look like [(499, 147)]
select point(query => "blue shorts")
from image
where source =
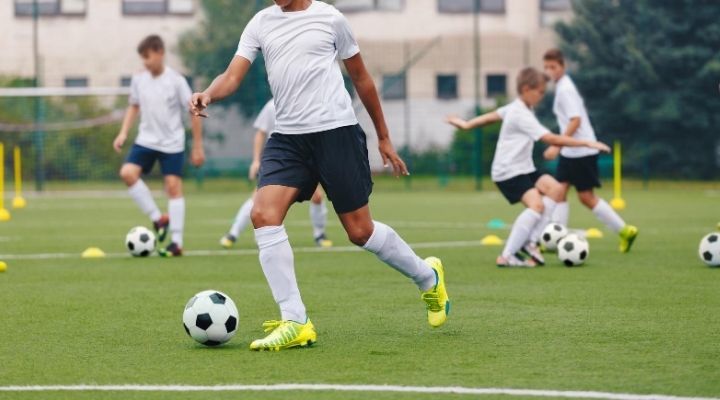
[(337, 159), (170, 163)]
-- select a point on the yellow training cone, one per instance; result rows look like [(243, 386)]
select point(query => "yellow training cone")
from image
[(93, 252), (491, 240), (4, 215), (3, 266), (618, 204), (19, 202), (594, 233)]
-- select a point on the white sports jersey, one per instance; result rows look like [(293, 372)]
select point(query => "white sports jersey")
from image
[(301, 50), (163, 100), (518, 134), (568, 105), (265, 121)]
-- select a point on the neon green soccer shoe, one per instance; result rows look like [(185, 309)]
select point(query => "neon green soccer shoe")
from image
[(436, 299), (628, 234), (285, 335)]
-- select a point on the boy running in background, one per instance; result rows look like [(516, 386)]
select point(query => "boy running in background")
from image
[(265, 125), (159, 94), (513, 170), (579, 166), (317, 139)]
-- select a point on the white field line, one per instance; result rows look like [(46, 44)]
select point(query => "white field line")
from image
[(243, 252), (352, 388)]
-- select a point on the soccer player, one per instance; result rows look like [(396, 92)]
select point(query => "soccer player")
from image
[(513, 170), (579, 166), (265, 125), (317, 139), (159, 94)]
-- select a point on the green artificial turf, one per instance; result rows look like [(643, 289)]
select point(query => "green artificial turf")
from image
[(646, 322)]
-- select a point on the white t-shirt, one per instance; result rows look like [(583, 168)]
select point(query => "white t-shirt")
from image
[(265, 121), (518, 134), (163, 100), (301, 50), (568, 105)]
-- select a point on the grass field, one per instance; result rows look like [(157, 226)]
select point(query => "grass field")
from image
[(642, 323)]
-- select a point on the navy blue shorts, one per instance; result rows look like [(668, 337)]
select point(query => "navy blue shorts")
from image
[(170, 163), (515, 188), (581, 172), (337, 159)]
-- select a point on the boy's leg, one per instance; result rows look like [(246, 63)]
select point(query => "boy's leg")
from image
[(171, 165), (139, 191), (605, 213), (561, 215), (525, 223), (318, 218), (552, 194), (242, 219)]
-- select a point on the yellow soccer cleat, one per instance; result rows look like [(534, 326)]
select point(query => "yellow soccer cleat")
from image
[(285, 335), (228, 241), (438, 303), (323, 242), (628, 234)]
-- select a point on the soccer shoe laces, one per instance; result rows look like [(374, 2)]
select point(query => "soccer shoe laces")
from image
[(432, 299), (271, 325)]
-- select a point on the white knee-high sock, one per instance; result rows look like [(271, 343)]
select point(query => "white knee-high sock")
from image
[(176, 209), (549, 205), (390, 248), (242, 219), (318, 217), (561, 214), (608, 216), (140, 193), (278, 265), (521, 230)]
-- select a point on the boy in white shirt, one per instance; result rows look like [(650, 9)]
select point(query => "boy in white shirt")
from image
[(265, 125), (159, 94), (579, 166), (317, 139), (513, 170)]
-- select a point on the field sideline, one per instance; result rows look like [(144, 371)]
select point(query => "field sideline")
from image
[(638, 324)]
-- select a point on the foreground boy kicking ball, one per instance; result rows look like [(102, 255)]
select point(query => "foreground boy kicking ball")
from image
[(159, 95), (513, 170), (317, 139)]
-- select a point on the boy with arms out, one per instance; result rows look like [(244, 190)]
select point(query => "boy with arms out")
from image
[(579, 166), (265, 125), (317, 139), (513, 170), (159, 95)]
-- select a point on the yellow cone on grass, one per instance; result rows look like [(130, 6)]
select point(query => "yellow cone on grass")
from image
[(491, 240), (93, 252), (3, 266), (594, 233)]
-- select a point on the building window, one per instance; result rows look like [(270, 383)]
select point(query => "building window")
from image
[(394, 87), (25, 8), (76, 81), (554, 5), (447, 87), (369, 5), (157, 7), (496, 85), (125, 81), (470, 6)]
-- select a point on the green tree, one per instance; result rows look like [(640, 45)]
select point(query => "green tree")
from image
[(207, 50), (649, 72)]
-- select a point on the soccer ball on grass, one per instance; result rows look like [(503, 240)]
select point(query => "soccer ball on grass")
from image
[(140, 241), (552, 234), (573, 250), (210, 318), (710, 249)]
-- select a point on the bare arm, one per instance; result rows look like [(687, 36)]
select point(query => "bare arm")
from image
[(223, 86), (258, 145), (368, 94), (558, 140), (481, 120), (130, 117), (197, 156), (552, 152)]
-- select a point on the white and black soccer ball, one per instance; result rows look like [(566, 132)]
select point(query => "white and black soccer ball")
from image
[(552, 234), (140, 241), (211, 318), (573, 250), (710, 249)]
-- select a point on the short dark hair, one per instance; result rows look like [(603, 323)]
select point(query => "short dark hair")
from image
[(531, 78), (554, 55), (152, 42)]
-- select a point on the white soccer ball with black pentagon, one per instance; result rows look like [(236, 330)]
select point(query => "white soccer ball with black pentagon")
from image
[(552, 234), (140, 241), (573, 250), (211, 318), (710, 249)]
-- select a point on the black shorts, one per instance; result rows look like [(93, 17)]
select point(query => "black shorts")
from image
[(515, 188), (580, 172), (170, 163), (337, 159)]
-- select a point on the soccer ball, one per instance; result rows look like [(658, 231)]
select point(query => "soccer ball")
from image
[(140, 241), (552, 234), (211, 318), (710, 249), (573, 250)]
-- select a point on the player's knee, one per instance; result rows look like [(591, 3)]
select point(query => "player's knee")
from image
[(262, 216), (317, 198), (129, 176), (359, 235), (588, 199), (537, 206), (173, 188)]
